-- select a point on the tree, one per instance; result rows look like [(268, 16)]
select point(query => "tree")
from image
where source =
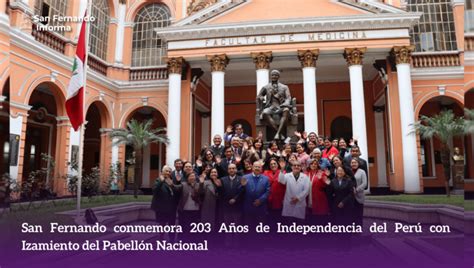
[(469, 121), (443, 126), (139, 135)]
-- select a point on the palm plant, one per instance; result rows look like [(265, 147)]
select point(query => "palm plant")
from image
[(443, 126), (139, 135), (469, 121)]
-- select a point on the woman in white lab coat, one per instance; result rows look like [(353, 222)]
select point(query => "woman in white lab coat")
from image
[(297, 189)]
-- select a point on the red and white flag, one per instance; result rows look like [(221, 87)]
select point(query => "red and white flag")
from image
[(75, 89)]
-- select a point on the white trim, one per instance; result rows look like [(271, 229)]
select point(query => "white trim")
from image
[(207, 12), (275, 39), (20, 105), (469, 58), (456, 72), (339, 23)]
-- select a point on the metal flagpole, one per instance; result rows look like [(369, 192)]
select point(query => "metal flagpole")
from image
[(82, 127)]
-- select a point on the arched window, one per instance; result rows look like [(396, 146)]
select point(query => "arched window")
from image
[(148, 49), (99, 29), (435, 30), (50, 8)]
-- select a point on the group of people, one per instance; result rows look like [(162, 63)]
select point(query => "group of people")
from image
[(238, 180)]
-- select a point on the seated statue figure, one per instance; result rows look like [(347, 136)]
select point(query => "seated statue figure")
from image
[(275, 99)]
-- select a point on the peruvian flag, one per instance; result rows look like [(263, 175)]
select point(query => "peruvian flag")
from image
[(75, 89)]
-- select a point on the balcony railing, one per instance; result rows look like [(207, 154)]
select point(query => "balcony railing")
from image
[(468, 42), (97, 65), (436, 59), (160, 73), (49, 38)]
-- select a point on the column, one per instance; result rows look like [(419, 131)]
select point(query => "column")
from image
[(411, 174), (174, 109), (308, 60), (74, 140), (380, 140), (120, 33), (262, 64), (115, 151), (16, 133), (218, 65), (354, 57)]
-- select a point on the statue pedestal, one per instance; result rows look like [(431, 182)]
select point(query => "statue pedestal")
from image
[(458, 174)]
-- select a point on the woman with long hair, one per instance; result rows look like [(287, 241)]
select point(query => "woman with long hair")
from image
[(210, 195), (317, 200)]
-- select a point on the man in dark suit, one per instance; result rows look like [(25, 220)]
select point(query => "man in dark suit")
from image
[(231, 192), (178, 170), (229, 158), (236, 148), (355, 153), (217, 148)]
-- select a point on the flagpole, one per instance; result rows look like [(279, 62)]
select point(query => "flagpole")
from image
[(82, 128)]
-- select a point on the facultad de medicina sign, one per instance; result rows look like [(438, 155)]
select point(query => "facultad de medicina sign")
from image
[(288, 38)]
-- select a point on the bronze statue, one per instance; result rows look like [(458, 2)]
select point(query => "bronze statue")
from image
[(457, 156), (274, 99)]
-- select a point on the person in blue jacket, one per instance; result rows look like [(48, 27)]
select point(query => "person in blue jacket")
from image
[(256, 189)]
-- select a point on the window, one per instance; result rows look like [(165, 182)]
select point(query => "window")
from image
[(51, 8), (435, 30), (469, 17), (148, 49), (99, 29)]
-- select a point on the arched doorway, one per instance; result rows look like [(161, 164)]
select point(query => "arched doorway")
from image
[(246, 126), (154, 156), (96, 143), (430, 150), (341, 127), (469, 139), (41, 143), (4, 128)]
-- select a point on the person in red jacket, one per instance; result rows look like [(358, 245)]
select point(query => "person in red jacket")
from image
[(317, 200), (277, 192), (330, 151)]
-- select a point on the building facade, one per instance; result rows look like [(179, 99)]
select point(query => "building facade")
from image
[(363, 69)]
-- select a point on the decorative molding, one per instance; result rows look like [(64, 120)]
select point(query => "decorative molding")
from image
[(438, 73), (218, 62), (402, 54), (175, 65), (354, 56), (198, 5), (21, 106), (262, 59), (442, 90), (284, 26), (308, 57), (209, 12), (54, 75)]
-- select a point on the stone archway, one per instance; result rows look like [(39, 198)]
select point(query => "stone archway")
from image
[(430, 150), (155, 155), (46, 136), (4, 128), (469, 139)]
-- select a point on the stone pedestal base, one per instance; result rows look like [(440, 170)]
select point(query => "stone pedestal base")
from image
[(458, 175)]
